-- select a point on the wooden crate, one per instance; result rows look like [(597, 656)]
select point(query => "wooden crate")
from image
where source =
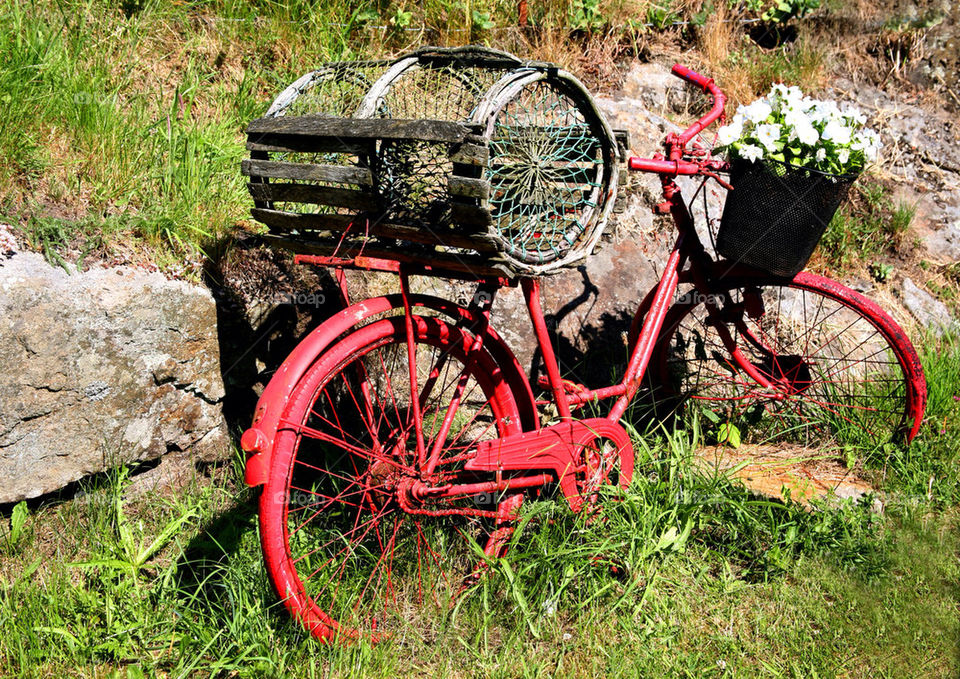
[(345, 201), (507, 168)]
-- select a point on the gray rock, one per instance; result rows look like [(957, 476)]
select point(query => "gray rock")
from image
[(926, 308), (658, 89), (944, 244), (102, 367)]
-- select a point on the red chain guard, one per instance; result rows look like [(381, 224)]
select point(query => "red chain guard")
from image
[(558, 448)]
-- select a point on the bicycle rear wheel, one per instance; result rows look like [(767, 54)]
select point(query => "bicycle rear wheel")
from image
[(354, 532), (840, 369)]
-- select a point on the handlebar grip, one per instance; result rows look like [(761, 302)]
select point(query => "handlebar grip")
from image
[(692, 76), (668, 167)]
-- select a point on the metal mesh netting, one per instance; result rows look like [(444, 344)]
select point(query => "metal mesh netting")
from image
[(413, 181), (777, 214), (337, 90), (546, 172), (413, 174), (438, 92)]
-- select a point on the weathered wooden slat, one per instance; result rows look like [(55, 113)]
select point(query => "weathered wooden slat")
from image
[(358, 128), (468, 188), (287, 221), (343, 174), (470, 154), (314, 195), (306, 144), (476, 265), (470, 215)]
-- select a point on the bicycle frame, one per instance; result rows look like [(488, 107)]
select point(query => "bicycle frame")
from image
[(516, 455), (259, 438)]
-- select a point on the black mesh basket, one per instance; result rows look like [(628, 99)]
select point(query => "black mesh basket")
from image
[(777, 213)]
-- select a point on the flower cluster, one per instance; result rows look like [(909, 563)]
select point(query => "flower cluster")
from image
[(789, 127)]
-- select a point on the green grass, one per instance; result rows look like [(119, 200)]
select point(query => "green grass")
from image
[(708, 580), (870, 227), (927, 470)]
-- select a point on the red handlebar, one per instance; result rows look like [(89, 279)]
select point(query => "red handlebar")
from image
[(691, 76), (671, 167), (675, 143), (707, 84)]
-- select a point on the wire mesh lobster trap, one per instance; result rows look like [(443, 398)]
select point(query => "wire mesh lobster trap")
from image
[(468, 159)]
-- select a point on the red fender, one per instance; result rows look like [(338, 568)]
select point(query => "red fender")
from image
[(258, 439)]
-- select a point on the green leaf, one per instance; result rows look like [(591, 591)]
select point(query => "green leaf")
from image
[(674, 539), (401, 19), (18, 519), (482, 21), (667, 539), (710, 415), (729, 434), (366, 15), (850, 455), (72, 641), (165, 536)]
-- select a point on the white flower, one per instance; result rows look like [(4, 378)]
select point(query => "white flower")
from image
[(837, 132), (728, 134), (756, 112), (803, 129), (751, 152), (853, 113), (824, 110), (807, 133), (769, 135), (785, 117), (867, 141), (792, 95), (872, 149)]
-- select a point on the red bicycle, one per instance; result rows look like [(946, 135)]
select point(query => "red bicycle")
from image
[(402, 436)]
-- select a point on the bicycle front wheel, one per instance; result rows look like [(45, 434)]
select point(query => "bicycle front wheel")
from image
[(807, 361), (356, 531)]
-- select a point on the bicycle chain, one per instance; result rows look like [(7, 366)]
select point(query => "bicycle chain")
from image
[(466, 511)]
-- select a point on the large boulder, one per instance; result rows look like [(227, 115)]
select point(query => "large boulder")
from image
[(101, 367)]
